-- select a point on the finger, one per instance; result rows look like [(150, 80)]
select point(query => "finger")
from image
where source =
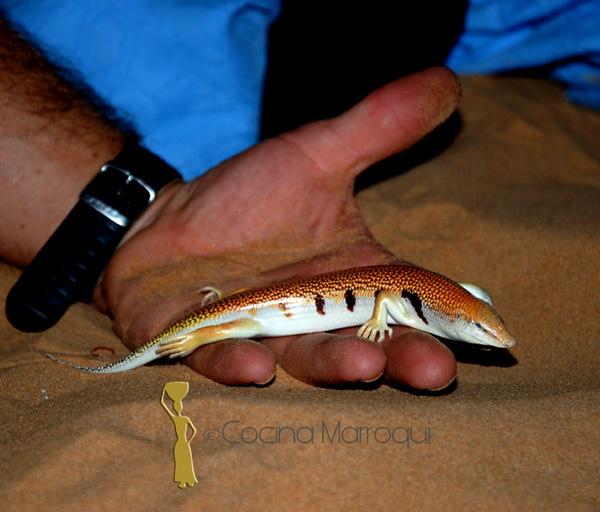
[(328, 359), (234, 362), (418, 360), (387, 121)]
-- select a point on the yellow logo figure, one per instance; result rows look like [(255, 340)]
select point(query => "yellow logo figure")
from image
[(184, 465)]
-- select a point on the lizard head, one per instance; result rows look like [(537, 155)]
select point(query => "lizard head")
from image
[(479, 323)]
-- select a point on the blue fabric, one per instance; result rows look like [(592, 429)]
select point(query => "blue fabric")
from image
[(187, 73), (562, 36)]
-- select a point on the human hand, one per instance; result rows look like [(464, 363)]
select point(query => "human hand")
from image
[(283, 208)]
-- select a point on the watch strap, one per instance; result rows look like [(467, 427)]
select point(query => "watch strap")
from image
[(69, 264), (146, 166), (65, 270), (127, 184)]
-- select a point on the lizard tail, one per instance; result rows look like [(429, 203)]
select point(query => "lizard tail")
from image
[(126, 363), (89, 369)]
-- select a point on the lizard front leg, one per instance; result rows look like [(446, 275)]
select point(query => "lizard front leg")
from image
[(377, 327), (209, 294)]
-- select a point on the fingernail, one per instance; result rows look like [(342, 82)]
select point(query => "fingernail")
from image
[(445, 386), (269, 380), (368, 381)]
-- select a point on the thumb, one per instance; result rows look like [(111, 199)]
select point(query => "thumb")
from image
[(387, 121)]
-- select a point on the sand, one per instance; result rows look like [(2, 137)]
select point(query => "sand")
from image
[(513, 205)]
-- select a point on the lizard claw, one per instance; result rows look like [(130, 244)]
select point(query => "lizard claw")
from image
[(374, 331)]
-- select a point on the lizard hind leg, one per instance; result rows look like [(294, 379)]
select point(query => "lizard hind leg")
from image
[(185, 344)]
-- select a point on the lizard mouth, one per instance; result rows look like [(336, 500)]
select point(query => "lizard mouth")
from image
[(505, 341), (488, 337)]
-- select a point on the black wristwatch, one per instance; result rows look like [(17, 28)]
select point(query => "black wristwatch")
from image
[(68, 266)]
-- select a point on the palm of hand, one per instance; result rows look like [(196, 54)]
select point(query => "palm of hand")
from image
[(281, 209)]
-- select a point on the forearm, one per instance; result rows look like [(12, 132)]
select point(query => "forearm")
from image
[(52, 141)]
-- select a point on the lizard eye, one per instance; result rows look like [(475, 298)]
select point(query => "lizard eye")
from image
[(486, 330)]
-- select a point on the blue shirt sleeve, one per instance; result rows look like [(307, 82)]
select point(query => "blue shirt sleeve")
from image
[(187, 74), (561, 37)]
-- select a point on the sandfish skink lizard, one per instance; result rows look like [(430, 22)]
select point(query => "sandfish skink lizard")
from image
[(369, 297)]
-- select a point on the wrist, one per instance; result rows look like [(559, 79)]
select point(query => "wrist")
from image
[(108, 291), (67, 267), (155, 211), (42, 185)]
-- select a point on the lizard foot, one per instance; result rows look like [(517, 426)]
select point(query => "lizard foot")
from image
[(210, 294), (374, 331), (179, 348)]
